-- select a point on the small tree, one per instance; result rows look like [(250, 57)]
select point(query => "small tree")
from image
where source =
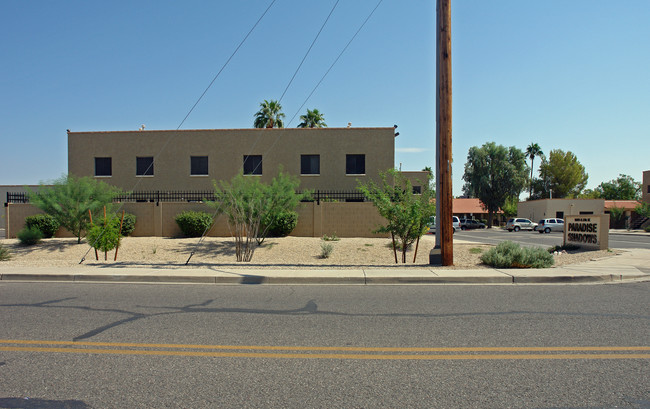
[(105, 235), (407, 214), (510, 207), (69, 199), (643, 210), (246, 202), (617, 214)]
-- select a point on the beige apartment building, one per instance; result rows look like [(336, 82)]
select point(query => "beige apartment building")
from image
[(323, 158), (645, 187)]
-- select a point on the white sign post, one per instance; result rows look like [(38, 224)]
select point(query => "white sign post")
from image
[(589, 231)]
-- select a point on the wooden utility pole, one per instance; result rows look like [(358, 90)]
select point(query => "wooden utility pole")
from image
[(444, 201)]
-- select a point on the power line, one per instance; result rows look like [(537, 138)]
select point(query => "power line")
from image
[(308, 50), (335, 61)]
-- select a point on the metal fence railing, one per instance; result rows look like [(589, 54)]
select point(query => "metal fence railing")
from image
[(206, 195)]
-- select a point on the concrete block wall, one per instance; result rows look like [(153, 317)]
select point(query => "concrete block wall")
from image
[(345, 219)]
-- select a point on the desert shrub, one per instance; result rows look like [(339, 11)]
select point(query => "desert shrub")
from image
[(105, 237), (476, 250), (47, 224), (282, 224), (326, 250), (333, 237), (510, 255), (128, 225), (567, 247), (647, 228), (30, 236), (193, 224), (4, 253)]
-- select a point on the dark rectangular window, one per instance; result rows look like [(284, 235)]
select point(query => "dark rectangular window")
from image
[(310, 164), (198, 165), (103, 167), (252, 164), (355, 164), (586, 213), (417, 190), (144, 166)]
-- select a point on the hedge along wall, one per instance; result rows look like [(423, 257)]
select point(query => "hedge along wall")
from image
[(314, 220)]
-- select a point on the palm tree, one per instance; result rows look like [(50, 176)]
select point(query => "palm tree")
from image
[(270, 115), (532, 151), (313, 119)]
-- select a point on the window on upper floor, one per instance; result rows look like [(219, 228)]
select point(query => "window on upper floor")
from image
[(198, 166), (355, 164), (144, 166), (417, 190), (310, 164), (252, 164), (103, 167)]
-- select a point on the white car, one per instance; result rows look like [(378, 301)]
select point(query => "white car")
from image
[(432, 224)]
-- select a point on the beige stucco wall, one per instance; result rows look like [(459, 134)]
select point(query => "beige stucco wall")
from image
[(645, 196), (225, 149), (536, 210), (3, 197), (314, 220)]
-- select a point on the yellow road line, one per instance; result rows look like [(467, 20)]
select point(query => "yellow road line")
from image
[(324, 348), (327, 356)]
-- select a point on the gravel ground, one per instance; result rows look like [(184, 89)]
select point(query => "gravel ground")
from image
[(286, 252)]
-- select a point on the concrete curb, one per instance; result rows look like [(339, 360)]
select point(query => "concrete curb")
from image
[(489, 277)]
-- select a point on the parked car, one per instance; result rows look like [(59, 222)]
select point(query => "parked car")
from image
[(432, 224), (549, 225), (471, 224), (517, 224)]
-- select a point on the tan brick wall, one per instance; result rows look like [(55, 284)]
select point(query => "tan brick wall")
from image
[(225, 149), (314, 220)]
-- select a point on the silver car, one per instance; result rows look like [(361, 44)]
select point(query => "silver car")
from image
[(519, 223), (549, 225)]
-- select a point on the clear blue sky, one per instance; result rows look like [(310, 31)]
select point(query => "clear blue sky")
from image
[(571, 75)]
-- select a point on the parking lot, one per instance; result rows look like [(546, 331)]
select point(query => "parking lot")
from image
[(545, 240)]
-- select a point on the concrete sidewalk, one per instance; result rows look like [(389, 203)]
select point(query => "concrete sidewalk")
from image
[(630, 265)]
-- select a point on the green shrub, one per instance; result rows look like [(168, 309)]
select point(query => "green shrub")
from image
[(510, 255), (30, 236), (105, 237), (326, 250), (4, 253), (47, 224), (567, 247), (128, 225), (647, 228), (283, 224), (193, 224), (333, 237)]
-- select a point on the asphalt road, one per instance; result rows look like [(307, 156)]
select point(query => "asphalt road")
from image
[(158, 346), (545, 240)]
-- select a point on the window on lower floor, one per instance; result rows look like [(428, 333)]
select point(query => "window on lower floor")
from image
[(355, 164), (198, 165), (144, 166), (252, 164), (417, 190), (310, 164), (103, 167)]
